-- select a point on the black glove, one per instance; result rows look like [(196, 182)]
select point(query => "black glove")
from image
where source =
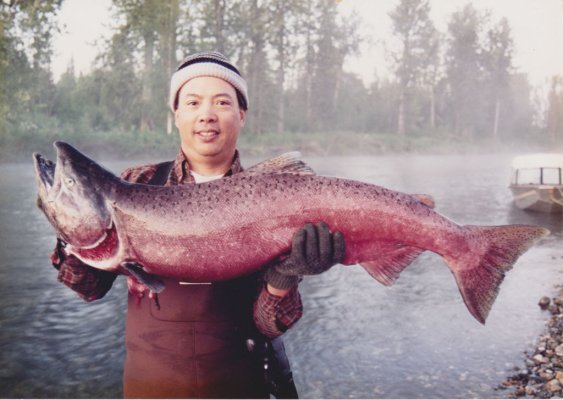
[(313, 251)]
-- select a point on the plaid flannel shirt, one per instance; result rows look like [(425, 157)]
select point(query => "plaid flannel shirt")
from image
[(273, 315)]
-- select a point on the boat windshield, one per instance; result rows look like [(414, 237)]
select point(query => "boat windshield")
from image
[(538, 176)]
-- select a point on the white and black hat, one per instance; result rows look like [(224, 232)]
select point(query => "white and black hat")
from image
[(209, 63)]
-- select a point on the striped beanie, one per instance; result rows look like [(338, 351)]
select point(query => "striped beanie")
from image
[(209, 63)]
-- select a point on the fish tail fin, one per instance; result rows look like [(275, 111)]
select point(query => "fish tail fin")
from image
[(494, 250)]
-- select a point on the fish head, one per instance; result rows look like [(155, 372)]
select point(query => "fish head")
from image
[(71, 194)]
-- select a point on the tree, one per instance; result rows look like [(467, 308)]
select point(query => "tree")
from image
[(555, 111), (382, 112), (35, 21), (416, 34), (334, 40), (213, 24), (497, 61), (26, 32), (328, 65), (518, 105), (432, 74), (309, 23), (168, 37), (257, 64), (464, 71), (65, 106), (151, 25), (286, 20)]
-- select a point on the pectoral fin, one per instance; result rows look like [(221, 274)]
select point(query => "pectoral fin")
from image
[(150, 281)]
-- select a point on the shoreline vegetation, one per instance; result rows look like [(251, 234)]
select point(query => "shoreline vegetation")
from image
[(118, 145)]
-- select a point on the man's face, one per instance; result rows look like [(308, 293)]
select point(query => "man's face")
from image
[(209, 121)]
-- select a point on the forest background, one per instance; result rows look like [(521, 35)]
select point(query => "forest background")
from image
[(455, 90)]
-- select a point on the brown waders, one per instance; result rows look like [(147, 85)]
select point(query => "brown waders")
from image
[(194, 344)]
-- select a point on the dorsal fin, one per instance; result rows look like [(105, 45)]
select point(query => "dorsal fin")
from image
[(425, 199), (287, 163)]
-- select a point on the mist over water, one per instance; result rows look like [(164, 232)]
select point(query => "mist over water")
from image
[(357, 337)]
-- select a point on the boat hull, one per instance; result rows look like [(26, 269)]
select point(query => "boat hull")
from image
[(542, 198)]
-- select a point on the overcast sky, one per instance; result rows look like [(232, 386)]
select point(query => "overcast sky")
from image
[(537, 30)]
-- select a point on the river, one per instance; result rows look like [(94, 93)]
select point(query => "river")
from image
[(357, 338)]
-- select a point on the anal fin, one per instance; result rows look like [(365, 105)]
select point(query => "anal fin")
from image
[(391, 261)]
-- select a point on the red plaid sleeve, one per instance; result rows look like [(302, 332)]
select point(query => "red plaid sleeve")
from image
[(89, 283), (273, 315)]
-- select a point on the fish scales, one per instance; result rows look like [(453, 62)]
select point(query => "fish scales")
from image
[(361, 211), (231, 227)]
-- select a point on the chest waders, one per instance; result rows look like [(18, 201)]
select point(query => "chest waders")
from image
[(200, 341)]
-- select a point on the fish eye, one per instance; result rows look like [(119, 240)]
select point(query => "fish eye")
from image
[(69, 182)]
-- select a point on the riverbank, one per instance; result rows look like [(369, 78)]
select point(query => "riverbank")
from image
[(543, 375), (118, 145)]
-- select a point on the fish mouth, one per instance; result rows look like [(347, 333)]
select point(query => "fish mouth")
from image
[(45, 168), (44, 171)]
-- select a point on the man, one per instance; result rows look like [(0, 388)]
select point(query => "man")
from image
[(219, 339)]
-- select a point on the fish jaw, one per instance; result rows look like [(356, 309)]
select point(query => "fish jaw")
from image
[(44, 177), (45, 180), (71, 197), (44, 173)]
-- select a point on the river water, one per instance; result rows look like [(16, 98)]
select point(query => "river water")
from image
[(357, 338)]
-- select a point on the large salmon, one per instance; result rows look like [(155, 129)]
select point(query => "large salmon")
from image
[(233, 226)]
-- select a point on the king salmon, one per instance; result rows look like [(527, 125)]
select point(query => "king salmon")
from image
[(233, 226)]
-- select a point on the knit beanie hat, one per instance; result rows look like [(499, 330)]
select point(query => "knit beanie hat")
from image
[(209, 63)]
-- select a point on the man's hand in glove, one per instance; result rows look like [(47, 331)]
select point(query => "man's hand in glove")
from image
[(314, 250)]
